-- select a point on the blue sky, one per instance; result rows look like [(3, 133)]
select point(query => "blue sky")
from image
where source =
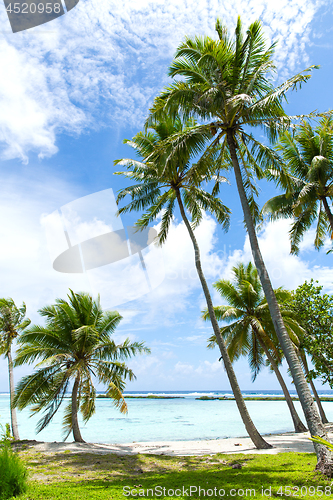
[(70, 92)]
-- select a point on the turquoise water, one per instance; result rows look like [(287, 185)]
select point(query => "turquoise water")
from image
[(169, 419)]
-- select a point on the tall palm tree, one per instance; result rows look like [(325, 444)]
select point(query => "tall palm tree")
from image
[(12, 322), (307, 178), (227, 82), (250, 331), (165, 177), (74, 346)]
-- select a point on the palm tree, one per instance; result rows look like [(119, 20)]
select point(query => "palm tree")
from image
[(164, 177), (227, 82), (12, 322), (307, 178), (74, 346), (250, 331)]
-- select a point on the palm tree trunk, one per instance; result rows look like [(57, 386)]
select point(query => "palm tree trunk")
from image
[(315, 425), (298, 424), (328, 212), (315, 393), (257, 439), (75, 422), (15, 431)]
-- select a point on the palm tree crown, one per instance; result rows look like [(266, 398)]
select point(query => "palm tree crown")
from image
[(165, 170), (230, 81), (12, 322), (307, 177), (248, 317), (250, 331), (74, 345)]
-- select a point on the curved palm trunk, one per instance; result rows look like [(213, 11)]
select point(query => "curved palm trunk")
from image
[(315, 393), (298, 424), (257, 439), (75, 422), (310, 411), (328, 212), (15, 431)]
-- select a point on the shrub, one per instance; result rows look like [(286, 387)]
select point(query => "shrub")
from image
[(7, 433), (13, 473)]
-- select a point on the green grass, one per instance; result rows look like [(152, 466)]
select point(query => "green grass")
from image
[(87, 476)]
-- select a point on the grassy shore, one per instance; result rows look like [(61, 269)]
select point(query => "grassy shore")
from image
[(77, 476)]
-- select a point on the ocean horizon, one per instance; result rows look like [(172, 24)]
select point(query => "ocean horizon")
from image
[(182, 418)]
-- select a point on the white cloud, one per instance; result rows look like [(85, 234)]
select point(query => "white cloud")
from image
[(205, 368), (173, 299), (31, 113), (195, 339), (183, 368), (25, 265), (284, 269), (102, 63)]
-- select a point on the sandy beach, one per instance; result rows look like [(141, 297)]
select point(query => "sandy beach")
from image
[(281, 443)]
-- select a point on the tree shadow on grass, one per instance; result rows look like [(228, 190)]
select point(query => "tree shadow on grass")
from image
[(106, 476)]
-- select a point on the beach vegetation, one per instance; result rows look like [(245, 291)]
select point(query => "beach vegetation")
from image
[(12, 323), (227, 82), (314, 311), (74, 347), (249, 330), (165, 177), (13, 472)]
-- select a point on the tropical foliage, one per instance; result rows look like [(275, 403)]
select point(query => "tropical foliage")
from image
[(306, 175), (314, 310), (75, 346), (248, 317), (165, 170)]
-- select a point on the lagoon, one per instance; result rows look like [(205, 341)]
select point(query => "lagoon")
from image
[(186, 418)]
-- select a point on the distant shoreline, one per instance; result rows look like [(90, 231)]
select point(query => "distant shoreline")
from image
[(258, 398), (217, 398)]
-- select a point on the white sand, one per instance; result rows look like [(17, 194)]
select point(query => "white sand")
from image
[(281, 443)]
